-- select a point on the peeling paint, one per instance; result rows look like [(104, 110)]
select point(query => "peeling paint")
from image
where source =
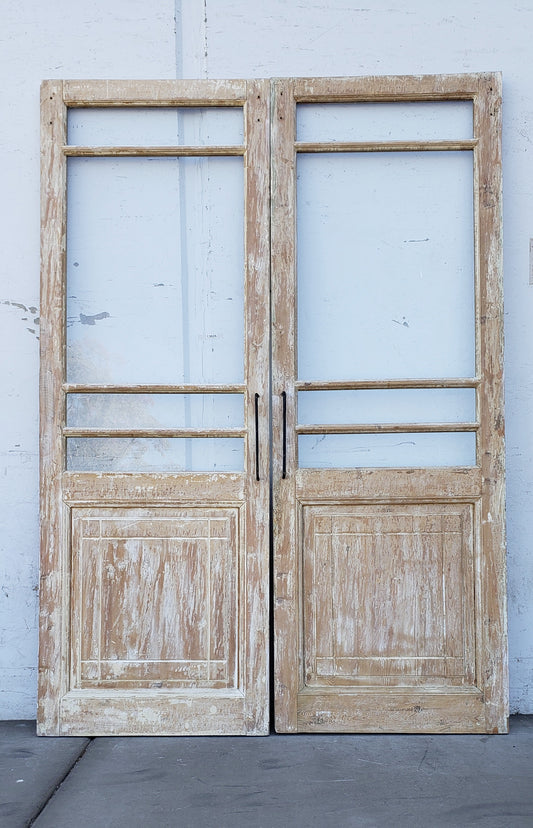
[(20, 306), (92, 319)]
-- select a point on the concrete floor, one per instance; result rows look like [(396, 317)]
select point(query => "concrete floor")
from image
[(226, 782)]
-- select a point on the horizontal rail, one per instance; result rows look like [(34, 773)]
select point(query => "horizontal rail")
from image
[(363, 385), (159, 93), (177, 151), (70, 431), (385, 428), (385, 146), (77, 388)]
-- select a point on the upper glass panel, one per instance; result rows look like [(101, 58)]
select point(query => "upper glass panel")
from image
[(155, 126), (155, 270), (416, 121), (385, 265)]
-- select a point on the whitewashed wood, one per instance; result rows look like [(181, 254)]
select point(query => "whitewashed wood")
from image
[(53, 564), (79, 388), (385, 146), (383, 428), (310, 595), (155, 93), (178, 151), (153, 627), (287, 668), (81, 431), (493, 657), (356, 385)]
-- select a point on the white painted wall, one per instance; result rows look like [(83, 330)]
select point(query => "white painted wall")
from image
[(242, 38)]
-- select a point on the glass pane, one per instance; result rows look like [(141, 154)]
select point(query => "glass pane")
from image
[(342, 451), (405, 405), (155, 454), (155, 410), (411, 121), (385, 265), (155, 270), (155, 126)]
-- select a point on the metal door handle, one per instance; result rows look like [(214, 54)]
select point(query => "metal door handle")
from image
[(257, 436), (284, 461)]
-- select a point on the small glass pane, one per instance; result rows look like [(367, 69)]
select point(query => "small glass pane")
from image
[(155, 126), (404, 405), (155, 270), (385, 265), (155, 454), (411, 121), (155, 410), (342, 451)]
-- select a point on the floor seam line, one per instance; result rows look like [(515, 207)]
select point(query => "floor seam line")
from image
[(58, 785)]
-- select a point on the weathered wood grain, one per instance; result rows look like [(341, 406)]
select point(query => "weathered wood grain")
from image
[(155, 586), (54, 553), (403, 625)]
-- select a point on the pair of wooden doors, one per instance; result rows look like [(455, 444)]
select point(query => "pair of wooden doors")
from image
[(282, 293)]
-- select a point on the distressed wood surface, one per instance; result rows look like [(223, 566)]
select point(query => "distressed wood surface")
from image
[(361, 385), (95, 487), (287, 667), (75, 431), (155, 586), (389, 583), (53, 653), (140, 152), (385, 146), (255, 620), (154, 93), (493, 658), (383, 428), (79, 388)]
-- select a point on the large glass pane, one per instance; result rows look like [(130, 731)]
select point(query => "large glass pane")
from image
[(402, 405), (155, 454), (341, 451), (385, 265), (409, 121), (155, 126), (155, 270), (155, 410)]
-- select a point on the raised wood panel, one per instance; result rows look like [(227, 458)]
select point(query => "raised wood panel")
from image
[(154, 598), (388, 595)]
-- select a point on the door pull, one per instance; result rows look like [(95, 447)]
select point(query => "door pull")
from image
[(284, 461), (257, 436)]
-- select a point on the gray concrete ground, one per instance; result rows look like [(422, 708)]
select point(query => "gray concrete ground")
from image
[(291, 781)]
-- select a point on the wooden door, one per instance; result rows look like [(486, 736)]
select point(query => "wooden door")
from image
[(389, 588), (154, 408)]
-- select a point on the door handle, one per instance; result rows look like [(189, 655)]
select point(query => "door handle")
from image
[(284, 436), (257, 436)]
